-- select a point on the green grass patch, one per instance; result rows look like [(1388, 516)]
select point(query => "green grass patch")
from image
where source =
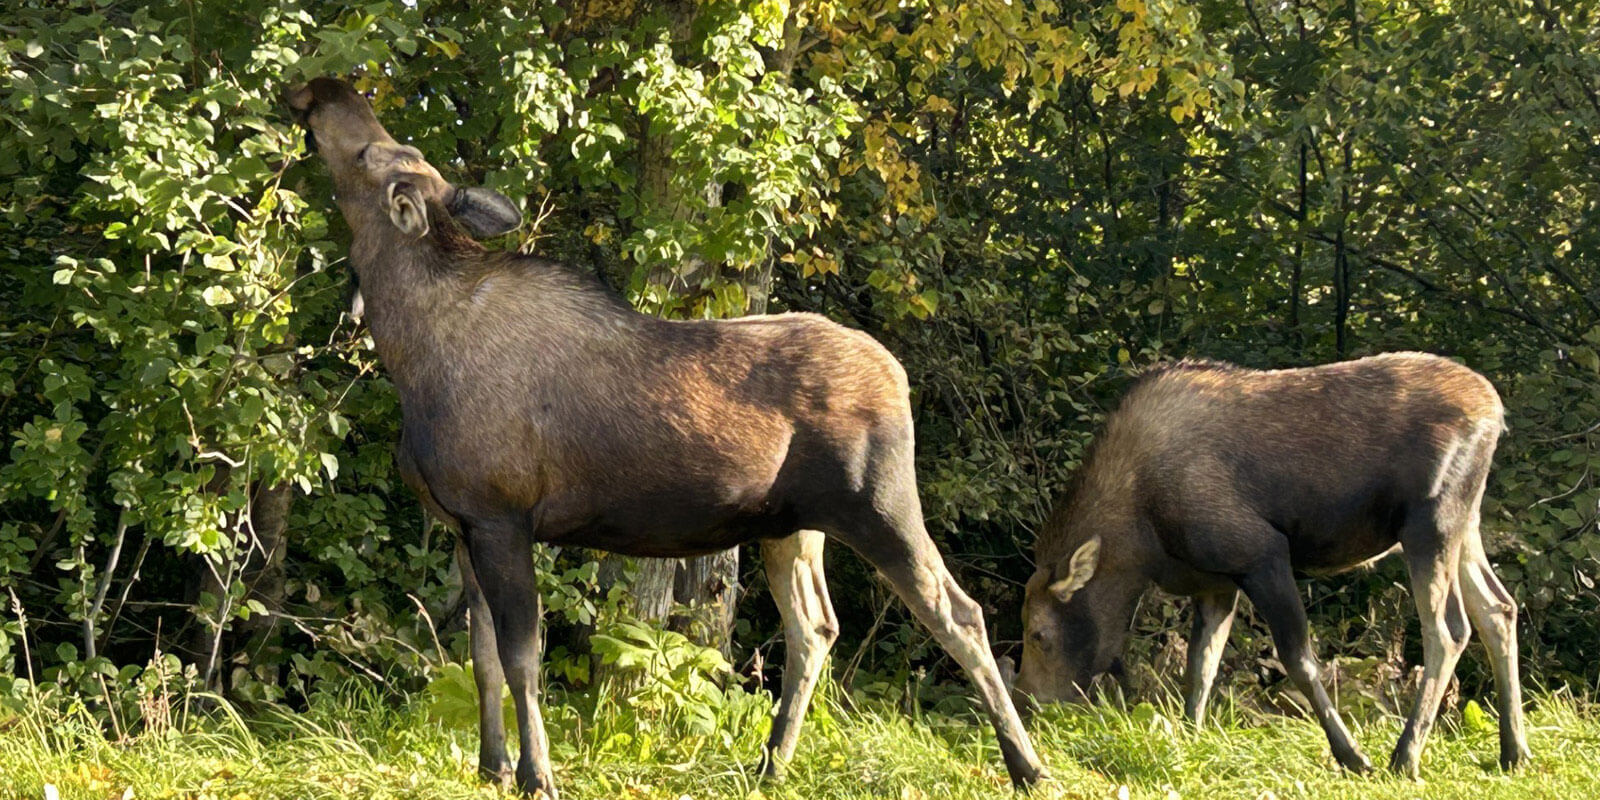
[(358, 743)]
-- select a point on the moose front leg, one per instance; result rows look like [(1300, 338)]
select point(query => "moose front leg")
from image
[(493, 763), (502, 559), (1271, 589)]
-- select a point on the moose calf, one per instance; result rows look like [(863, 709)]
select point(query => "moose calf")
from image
[(538, 407), (1210, 478)]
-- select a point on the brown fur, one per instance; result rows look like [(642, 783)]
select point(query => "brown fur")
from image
[(1210, 478), (539, 407)]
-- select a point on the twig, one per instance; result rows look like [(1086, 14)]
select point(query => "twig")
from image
[(428, 618), (1564, 436), (127, 586), (111, 708), (223, 609), (1575, 487), (89, 637), (861, 652), (22, 620)]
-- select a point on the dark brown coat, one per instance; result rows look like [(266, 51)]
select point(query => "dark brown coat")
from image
[(538, 407)]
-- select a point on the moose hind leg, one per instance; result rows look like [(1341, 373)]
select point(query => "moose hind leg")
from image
[(1433, 561), (1271, 588), (1213, 618), (502, 560), (493, 763), (900, 548), (1494, 616), (794, 571)]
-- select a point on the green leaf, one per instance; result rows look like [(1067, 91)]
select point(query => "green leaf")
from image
[(1474, 719), (156, 371), (216, 296)]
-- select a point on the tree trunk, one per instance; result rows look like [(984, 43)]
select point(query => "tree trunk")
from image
[(263, 570), (259, 564), (706, 588), (1299, 257)]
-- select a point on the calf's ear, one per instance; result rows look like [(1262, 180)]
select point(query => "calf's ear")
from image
[(484, 212), (406, 208), (1076, 570)]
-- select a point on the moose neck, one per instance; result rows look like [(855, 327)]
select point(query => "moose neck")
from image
[(441, 301), (409, 286), (1102, 500), (1099, 504)]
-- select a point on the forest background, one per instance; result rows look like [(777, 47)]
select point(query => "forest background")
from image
[(1027, 203)]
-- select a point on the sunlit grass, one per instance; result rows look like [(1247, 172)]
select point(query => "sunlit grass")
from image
[(358, 744)]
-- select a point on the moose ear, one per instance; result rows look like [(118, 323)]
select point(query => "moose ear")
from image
[(1079, 568), (407, 210), (484, 212)]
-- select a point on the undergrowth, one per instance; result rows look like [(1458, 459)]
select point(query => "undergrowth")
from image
[(362, 741)]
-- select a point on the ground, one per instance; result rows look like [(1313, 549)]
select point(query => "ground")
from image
[(361, 743)]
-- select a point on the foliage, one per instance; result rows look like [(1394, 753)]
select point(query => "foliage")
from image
[(1028, 202)]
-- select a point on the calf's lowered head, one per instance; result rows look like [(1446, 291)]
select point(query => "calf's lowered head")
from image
[(539, 407)]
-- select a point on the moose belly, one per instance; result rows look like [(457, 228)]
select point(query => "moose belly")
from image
[(669, 525), (1334, 542)]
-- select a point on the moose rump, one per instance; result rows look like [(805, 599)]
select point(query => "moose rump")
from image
[(1210, 479)]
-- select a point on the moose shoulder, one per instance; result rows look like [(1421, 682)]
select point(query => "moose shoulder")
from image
[(537, 407), (1210, 479)]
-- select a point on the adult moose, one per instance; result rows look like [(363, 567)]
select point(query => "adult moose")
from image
[(1209, 479), (539, 407)]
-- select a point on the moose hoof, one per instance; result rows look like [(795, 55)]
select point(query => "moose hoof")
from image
[(1512, 758), (1356, 762), (499, 774), (1406, 765), (769, 770), (1025, 784), (535, 785)]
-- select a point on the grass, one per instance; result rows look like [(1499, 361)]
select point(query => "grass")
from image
[(356, 744)]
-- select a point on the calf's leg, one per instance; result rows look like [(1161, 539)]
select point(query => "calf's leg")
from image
[(1494, 616), (1432, 557), (1213, 618), (794, 571), (493, 763), (502, 560), (1271, 588)]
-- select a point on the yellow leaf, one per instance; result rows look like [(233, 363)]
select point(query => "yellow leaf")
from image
[(448, 48)]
